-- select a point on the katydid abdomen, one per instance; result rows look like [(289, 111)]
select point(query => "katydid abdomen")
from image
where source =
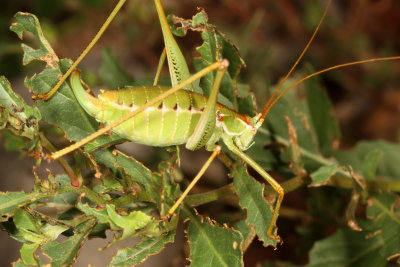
[(169, 122)]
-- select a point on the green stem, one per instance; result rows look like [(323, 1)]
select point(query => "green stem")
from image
[(130, 199), (90, 194), (343, 179), (317, 158), (123, 200), (371, 185), (64, 164), (203, 198), (289, 186)]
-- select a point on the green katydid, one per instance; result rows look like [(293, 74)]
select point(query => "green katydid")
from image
[(184, 117)]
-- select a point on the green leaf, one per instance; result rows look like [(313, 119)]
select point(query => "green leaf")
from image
[(108, 184), (135, 169), (321, 176), (216, 47), (27, 22), (212, 50), (15, 114), (23, 220), (320, 109), (111, 72), (146, 247), (31, 229), (101, 214), (28, 227), (65, 253), (20, 263), (293, 107), (53, 231), (388, 165), (385, 218), (212, 245), (13, 142), (248, 233), (130, 223), (347, 248), (371, 163), (251, 198), (27, 252), (296, 164), (273, 140), (10, 201), (264, 155)]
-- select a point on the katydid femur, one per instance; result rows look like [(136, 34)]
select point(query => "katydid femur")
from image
[(160, 116)]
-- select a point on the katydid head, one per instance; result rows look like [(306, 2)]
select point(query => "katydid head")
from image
[(246, 139), (241, 129)]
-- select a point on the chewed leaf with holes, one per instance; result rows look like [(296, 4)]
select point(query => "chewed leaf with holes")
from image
[(62, 109), (15, 114), (259, 211), (217, 46), (146, 247), (64, 253), (11, 201), (384, 213), (211, 244)]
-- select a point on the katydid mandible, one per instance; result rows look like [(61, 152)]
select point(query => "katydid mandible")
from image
[(170, 116)]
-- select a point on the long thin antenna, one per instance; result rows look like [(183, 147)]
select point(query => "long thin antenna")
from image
[(282, 82), (326, 70), (49, 94)]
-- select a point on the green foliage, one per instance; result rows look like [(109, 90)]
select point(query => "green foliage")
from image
[(251, 194), (17, 116), (213, 245), (131, 199), (137, 254), (347, 248)]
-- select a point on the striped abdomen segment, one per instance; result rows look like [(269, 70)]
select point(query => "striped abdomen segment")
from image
[(169, 122)]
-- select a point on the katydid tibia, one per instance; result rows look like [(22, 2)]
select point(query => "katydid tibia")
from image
[(160, 116)]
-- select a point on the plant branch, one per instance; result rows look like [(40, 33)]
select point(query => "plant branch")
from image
[(90, 194), (64, 164), (289, 186)]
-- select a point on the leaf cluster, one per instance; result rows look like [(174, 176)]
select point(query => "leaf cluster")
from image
[(131, 200)]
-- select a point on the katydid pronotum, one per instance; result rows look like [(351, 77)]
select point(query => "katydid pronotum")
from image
[(183, 116)]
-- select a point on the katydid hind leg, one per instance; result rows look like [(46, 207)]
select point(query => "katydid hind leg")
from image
[(205, 127), (205, 166), (178, 68)]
